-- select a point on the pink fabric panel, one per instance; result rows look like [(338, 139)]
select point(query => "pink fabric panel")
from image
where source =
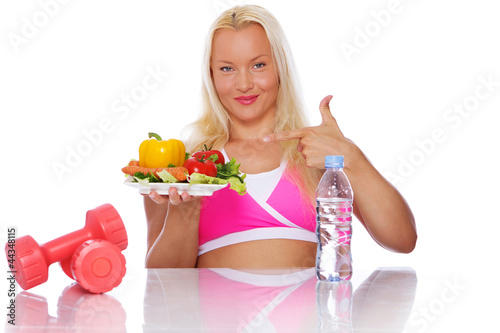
[(287, 201), (226, 212)]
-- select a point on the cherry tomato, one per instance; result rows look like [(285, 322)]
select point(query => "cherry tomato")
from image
[(209, 152), (201, 165)]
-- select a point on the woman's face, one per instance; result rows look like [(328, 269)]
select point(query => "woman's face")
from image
[(244, 73)]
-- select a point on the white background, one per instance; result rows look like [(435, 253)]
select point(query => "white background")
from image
[(65, 69)]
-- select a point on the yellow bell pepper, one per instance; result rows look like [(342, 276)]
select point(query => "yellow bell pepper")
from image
[(156, 153)]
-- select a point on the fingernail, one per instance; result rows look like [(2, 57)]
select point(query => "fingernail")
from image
[(267, 138)]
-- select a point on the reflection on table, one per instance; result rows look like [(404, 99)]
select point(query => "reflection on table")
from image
[(275, 301), (228, 300), (77, 311)]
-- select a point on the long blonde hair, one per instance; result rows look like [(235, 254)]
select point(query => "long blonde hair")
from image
[(213, 126)]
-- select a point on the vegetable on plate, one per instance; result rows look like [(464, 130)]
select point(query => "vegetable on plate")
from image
[(152, 174), (201, 165), (167, 162), (208, 153), (157, 153)]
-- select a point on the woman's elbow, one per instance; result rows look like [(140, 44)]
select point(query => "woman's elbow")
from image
[(407, 244), (410, 246), (400, 242), (408, 236)]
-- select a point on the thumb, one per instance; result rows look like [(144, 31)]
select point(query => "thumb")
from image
[(324, 109)]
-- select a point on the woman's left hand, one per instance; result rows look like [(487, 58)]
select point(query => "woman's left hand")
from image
[(377, 204), (317, 141)]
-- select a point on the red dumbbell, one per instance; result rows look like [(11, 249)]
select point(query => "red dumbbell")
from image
[(98, 265), (32, 261)]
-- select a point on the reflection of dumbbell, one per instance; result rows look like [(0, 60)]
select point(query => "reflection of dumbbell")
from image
[(102, 223), (77, 311)]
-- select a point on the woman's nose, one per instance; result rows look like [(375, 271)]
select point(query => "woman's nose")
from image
[(244, 81)]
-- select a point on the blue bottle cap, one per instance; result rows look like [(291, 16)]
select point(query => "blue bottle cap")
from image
[(334, 161)]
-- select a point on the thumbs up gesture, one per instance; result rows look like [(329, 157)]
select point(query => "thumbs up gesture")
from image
[(317, 141)]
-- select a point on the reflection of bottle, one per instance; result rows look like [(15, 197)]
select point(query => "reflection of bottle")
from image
[(334, 305), (334, 199)]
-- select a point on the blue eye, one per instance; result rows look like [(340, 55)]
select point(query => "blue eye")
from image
[(259, 65), (226, 69)]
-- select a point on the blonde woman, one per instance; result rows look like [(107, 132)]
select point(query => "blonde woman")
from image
[(252, 113)]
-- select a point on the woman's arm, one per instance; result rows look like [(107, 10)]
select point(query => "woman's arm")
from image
[(172, 236), (377, 204)]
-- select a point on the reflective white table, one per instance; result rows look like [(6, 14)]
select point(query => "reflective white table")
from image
[(226, 300)]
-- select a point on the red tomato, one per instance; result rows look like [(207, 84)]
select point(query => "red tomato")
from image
[(209, 152), (200, 165)]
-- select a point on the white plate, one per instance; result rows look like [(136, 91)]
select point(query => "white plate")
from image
[(201, 190)]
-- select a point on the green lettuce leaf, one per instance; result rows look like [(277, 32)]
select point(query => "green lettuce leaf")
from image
[(235, 183), (145, 179), (229, 170), (167, 177)]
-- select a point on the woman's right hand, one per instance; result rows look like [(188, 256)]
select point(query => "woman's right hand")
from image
[(173, 196)]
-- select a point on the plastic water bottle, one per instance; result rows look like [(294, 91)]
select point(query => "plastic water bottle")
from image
[(334, 198)]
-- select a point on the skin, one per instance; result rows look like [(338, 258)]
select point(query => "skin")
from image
[(377, 204), (242, 65)]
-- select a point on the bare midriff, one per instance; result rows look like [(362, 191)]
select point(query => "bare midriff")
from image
[(265, 253)]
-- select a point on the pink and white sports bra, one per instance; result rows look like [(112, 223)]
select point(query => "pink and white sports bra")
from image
[(272, 208)]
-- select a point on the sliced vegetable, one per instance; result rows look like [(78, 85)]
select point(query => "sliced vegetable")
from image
[(167, 177), (234, 183), (168, 162), (179, 173)]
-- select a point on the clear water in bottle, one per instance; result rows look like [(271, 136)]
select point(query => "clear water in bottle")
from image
[(334, 231), (334, 199)]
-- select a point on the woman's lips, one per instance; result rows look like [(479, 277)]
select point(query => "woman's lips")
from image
[(246, 100)]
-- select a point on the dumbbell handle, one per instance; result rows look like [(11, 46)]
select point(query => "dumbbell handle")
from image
[(102, 222), (64, 246)]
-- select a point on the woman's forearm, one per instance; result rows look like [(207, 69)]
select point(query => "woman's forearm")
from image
[(174, 248), (379, 206), (172, 234)]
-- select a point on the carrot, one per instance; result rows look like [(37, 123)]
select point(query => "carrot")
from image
[(180, 173), (133, 169)]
